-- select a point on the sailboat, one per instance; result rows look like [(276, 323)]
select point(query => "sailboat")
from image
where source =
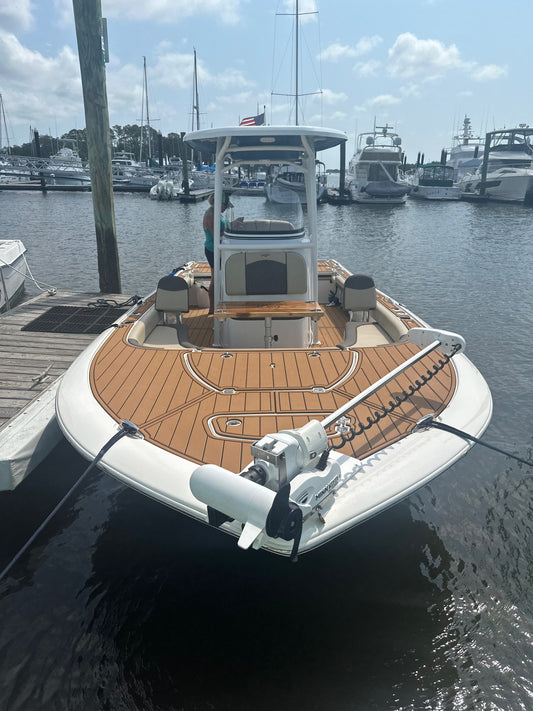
[(291, 176), (307, 402)]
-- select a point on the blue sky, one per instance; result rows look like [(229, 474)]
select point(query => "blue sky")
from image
[(420, 65)]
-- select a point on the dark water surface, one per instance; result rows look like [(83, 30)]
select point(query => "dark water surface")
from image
[(122, 604)]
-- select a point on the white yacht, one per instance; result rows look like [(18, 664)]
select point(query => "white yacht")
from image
[(506, 173), (66, 167), (289, 177), (466, 153), (373, 171), (305, 402)]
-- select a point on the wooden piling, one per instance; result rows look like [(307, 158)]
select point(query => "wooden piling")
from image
[(38, 154), (88, 19)]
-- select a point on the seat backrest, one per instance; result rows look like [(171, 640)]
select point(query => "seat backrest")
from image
[(359, 293), (172, 295), (267, 273)]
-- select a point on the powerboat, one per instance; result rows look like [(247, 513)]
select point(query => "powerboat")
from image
[(434, 181), (373, 171), (307, 402), (66, 167), (506, 173), (466, 153), (12, 271), (290, 177)]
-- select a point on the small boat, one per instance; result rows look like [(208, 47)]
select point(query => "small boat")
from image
[(12, 271), (506, 172), (373, 171), (434, 181), (307, 402)]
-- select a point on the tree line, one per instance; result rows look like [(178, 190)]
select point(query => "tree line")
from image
[(123, 139)]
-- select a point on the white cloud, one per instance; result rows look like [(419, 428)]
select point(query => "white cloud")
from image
[(163, 11), (430, 59), (410, 56), (383, 100), (15, 15), (488, 72), (337, 51), (367, 69), (331, 97), (367, 44)]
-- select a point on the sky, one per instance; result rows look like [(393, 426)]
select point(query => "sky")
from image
[(417, 65)]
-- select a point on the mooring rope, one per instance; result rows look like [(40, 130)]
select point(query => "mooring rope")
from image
[(430, 422), (50, 289), (102, 303), (127, 428)]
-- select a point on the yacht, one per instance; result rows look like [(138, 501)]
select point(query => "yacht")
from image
[(306, 401), (466, 153), (373, 171), (290, 177), (66, 167), (506, 173)]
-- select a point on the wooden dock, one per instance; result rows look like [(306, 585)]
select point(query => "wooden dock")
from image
[(31, 361)]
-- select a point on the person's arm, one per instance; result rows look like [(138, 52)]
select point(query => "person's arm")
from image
[(209, 222)]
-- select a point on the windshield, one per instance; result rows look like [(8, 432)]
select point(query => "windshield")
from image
[(272, 202)]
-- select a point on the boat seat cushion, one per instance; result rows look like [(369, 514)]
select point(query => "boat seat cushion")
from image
[(261, 226), (359, 293), (361, 335), (268, 273), (172, 295)]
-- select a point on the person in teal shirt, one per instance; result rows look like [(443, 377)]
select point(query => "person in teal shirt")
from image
[(209, 247)]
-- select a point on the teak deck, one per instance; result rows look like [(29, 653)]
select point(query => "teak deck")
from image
[(211, 405)]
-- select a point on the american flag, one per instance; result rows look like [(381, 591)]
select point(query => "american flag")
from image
[(253, 120)]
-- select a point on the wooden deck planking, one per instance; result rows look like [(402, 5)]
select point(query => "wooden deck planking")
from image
[(26, 355)]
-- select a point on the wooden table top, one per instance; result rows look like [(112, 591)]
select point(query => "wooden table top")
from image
[(268, 309)]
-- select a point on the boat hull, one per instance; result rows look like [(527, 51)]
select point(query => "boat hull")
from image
[(12, 272), (373, 483)]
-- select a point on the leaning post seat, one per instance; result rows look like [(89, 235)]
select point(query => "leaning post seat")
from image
[(359, 297), (359, 294), (172, 295)]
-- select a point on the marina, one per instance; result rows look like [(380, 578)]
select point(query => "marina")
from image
[(419, 550), (266, 446)]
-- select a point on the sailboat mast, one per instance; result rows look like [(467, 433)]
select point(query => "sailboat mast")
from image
[(147, 114), (296, 46), (195, 100)]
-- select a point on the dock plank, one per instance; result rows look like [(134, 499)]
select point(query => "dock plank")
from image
[(26, 355)]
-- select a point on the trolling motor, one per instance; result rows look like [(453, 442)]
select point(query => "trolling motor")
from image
[(274, 495)]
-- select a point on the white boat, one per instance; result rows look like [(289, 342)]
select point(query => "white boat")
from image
[(12, 271), (506, 173), (373, 171), (66, 167), (309, 402), (290, 177), (466, 153), (434, 181)]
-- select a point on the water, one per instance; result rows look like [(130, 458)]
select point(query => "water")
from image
[(122, 604)]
